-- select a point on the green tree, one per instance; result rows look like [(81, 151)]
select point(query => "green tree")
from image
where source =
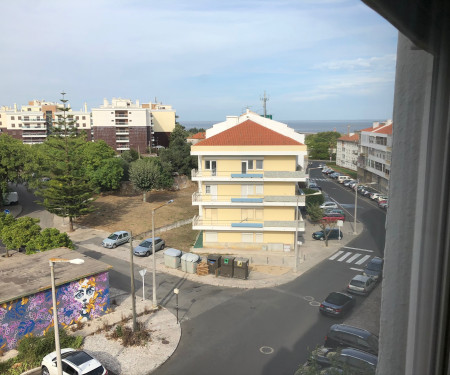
[(147, 174), (177, 157), (49, 238), (13, 156), (5, 221), (69, 193), (109, 175), (322, 145), (315, 212), (20, 232), (130, 155), (93, 154)]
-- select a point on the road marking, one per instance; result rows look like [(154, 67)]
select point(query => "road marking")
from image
[(353, 258), (335, 255), (266, 350), (356, 269), (363, 259), (314, 303), (344, 256), (357, 248)]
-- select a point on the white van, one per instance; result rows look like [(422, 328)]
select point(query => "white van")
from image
[(342, 178)]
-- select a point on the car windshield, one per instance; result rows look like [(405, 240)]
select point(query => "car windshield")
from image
[(336, 299), (358, 283), (372, 266), (113, 236), (145, 244), (97, 371)]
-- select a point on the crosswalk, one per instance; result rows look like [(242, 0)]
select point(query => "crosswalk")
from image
[(319, 179), (350, 257)]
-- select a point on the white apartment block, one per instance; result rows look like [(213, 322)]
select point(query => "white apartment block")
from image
[(347, 150), (32, 122), (374, 162)]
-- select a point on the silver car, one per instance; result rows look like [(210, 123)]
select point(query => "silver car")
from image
[(145, 247), (115, 239), (361, 284)]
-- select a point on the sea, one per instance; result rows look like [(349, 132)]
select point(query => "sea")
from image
[(303, 126)]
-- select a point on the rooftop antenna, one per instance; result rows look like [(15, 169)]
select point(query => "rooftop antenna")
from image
[(264, 99)]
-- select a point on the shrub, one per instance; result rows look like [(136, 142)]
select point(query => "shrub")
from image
[(49, 238)]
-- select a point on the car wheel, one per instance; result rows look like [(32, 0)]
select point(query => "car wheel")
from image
[(162, 247), (114, 246), (45, 371), (147, 254)]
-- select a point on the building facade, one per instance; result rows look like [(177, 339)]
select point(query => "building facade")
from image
[(249, 168), (347, 151), (125, 125), (374, 161), (32, 123)]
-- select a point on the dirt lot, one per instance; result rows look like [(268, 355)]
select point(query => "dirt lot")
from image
[(126, 210)]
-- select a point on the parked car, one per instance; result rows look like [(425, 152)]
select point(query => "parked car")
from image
[(342, 335), (357, 361), (337, 304), (325, 170), (333, 216), (341, 178), (145, 248), (373, 196), (10, 198), (374, 268), (361, 284), (314, 186), (329, 171), (383, 204), (115, 239), (334, 210), (347, 182), (352, 184), (381, 198), (76, 362), (367, 192), (333, 234), (334, 175), (329, 204)]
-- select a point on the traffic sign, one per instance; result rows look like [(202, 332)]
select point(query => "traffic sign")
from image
[(6, 212)]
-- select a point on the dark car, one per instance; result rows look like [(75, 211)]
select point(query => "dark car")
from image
[(337, 304), (374, 268), (342, 335), (333, 234), (334, 175), (334, 210), (354, 360)]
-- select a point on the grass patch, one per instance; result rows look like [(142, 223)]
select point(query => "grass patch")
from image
[(342, 170), (181, 238)]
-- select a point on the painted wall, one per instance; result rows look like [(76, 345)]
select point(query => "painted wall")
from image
[(279, 188), (80, 300), (163, 121), (280, 163)]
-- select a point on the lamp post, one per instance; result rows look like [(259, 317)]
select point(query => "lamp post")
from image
[(177, 291), (55, 312), (356, 203), (155, 304)]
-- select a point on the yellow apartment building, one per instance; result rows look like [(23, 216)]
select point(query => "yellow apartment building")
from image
[(248, 174)]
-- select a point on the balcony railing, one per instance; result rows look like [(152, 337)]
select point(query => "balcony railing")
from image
[(35, 135), (253, 174), (257, 199), (269, 225)]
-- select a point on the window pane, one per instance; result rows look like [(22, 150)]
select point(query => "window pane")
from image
[(259, 164), (250, 164), (207, 164)]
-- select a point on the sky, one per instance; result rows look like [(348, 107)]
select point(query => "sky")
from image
[(315, 59)]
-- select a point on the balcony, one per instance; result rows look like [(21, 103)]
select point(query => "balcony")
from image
[(238, 176), (122, 132), (251, 224), (253, 200), (34, 135), (33, 119), (119, 115), (122, 140)]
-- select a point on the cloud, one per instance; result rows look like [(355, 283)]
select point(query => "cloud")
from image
[(376, 62)]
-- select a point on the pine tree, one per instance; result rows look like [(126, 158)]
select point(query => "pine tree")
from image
[(68, 193)]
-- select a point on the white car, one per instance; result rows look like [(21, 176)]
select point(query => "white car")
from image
[(361, 284), (115, 239), (329, 205), (74, 362)]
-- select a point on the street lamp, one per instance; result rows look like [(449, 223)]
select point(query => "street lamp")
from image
[(177, 291), (155, 304), (55, 313)]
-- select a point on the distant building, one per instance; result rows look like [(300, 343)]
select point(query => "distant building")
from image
[(125, 125), (195, 138), (247, 198), (374, 161), (347, 151), (32, 123), (26, 307)]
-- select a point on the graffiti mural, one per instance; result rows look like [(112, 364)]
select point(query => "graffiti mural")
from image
[(77, 301)]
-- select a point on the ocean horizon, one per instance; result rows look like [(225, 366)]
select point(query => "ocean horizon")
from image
[(302, 126)]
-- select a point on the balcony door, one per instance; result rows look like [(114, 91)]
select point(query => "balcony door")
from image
[(244, 167)]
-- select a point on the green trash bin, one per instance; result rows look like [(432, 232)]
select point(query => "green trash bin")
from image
[(227, 266), (241, 268)]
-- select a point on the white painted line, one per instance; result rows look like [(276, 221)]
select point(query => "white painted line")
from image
[(353, 258), (357, 248), (363, 259), (335, 255), (344, 256), (357, 269)]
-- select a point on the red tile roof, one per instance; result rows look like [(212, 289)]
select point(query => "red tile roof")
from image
[(382, 129), (248, 133), (349, 138), (200, 135)]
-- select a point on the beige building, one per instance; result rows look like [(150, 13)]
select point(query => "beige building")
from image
[(347, 150), (247, 197)]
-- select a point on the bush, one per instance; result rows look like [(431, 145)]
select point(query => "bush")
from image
[(49, 238), (313, 199)]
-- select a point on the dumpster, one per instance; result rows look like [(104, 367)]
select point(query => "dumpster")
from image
[(241, 268), (172, 258), (213, 263), (189, 262), (227, 266)]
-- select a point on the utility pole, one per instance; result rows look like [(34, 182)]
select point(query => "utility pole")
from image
[(133, 294), (264, 99)]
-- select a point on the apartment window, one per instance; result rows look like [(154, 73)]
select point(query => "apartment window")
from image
[(84, 125), (29, 109), (259, 189), (13, 125), (259, 237), (247, 237), (83, 118), (208, 189), (112, 113), (19, 118), (12, 117), (259, 164), (20, 125), (250, 164), (211, 237)]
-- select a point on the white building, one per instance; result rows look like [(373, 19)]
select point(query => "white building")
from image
[(347, 151)]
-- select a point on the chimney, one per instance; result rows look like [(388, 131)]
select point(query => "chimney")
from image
[(15, 107), (85, 107), (105, 102), (137, 103)]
